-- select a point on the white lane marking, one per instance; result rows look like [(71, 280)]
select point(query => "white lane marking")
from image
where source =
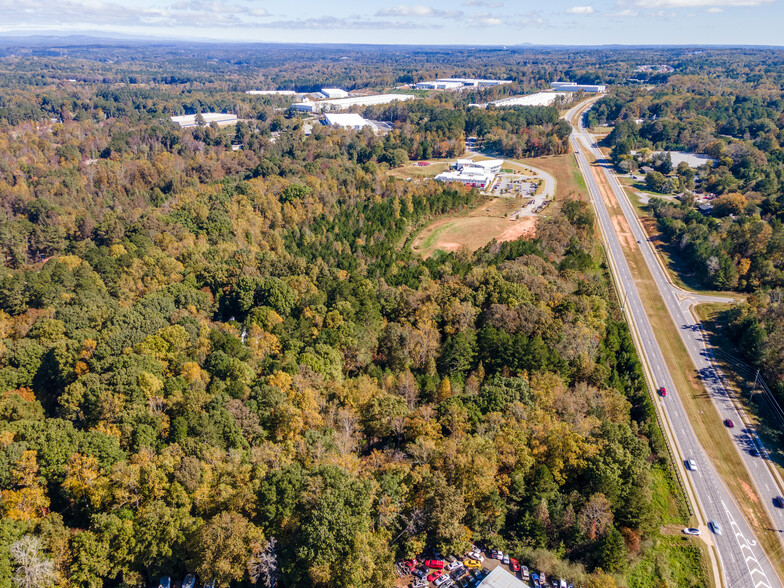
[(755, 569)]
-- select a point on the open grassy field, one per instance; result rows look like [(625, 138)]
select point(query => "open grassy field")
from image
[(563, 168), (474, 229)]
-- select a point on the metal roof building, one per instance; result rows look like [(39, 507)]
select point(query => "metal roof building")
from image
[(189, 120), (334, 93), (500, 578), (349, 121)]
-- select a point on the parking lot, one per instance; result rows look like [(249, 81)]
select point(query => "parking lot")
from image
[(469, 570), (515, 185)]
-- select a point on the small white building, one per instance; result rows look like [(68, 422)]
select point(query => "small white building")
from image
[(220, 118), (347, 121), (334, 93), (307, 106)]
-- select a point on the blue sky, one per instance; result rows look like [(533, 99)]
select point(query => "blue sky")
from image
[(465, 22)]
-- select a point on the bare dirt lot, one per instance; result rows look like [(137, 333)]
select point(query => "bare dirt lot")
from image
[(474, 229)]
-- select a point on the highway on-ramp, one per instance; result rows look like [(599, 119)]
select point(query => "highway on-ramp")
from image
[(742, 561)]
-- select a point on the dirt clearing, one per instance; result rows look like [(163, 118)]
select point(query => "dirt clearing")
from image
[(475, 229)]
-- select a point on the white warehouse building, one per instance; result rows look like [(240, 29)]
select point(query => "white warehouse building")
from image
[(334, 93), (474, 174), (220, 118), (572, 87), (348, 121)]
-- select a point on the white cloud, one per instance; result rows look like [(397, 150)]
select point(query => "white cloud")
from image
[(700, 3), (487, 20), (328, 23), (483, 3), (418, 10), (581, 10), (625, 13)]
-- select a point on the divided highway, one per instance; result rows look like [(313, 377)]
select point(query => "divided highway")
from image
[(743, 562)]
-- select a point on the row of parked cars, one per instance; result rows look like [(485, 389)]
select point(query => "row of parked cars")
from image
[(188, 582), (469, 571)]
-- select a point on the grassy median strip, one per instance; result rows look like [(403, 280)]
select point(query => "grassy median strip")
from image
[(703, 417)]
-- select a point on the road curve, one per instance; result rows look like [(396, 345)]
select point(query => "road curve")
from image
[(743, 562)]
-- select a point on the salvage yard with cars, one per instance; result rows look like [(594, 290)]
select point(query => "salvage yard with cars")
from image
[(469, 570)]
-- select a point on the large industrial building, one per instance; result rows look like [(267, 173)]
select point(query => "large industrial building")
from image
[(346, 103), (438, 85), (348, 121), (334, 93), (476, 82), (474, 174), (572, 87), (458, 83), (273, 92), (189, 120)]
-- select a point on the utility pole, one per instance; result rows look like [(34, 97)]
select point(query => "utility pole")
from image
[(754, 388)]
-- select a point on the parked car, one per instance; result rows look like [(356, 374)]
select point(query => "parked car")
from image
[(524, 573), (441, 580), (691, 531), (452, 565), (435, 564), (494, 553), (691, 464), (514, 564), (662, 391), (728, 423), (409, 564), (779, 502), (715, 526), (535, 580), (419, 583), (435, 575), (477, 555), (472, 563), (506, 559), (419, 572), (164, 582), (189, 581), (457, 572), (464, 581), (563, 583)]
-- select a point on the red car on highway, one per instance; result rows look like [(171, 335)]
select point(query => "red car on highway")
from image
[(662, 391)]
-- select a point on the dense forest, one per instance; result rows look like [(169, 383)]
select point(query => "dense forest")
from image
[(230, 362)]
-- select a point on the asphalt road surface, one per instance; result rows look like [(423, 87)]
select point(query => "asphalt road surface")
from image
[(743, 562)]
